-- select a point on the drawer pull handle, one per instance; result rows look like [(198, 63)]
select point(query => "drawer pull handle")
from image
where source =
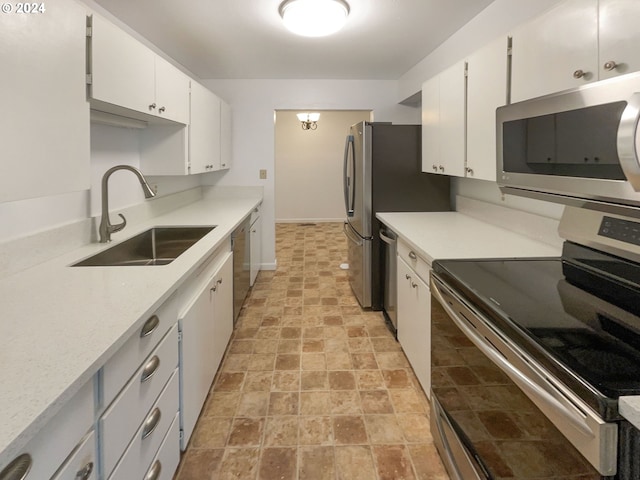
[(414, 285), (150, 368), (412, 256), (407, 276), (85, 472), (17, 469), (154, 471), (151, 423), (150, 326)]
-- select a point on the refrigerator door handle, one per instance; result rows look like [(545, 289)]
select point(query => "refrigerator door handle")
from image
[(386, 239), (348, 177), (347, 231)]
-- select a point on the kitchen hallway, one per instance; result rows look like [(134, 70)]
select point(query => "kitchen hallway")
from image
[(312, 386)]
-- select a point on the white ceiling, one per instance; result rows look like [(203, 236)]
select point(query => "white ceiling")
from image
[(382, 39)]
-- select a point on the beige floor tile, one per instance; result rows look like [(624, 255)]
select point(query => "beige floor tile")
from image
[(407, 401), (393, 462), (315, 403), (211, 432), (338, 361), (315, 431), (286, 381), (342, 380), (384, 429), (258, 381), (349, 429), (200, 464), (354, 463), (314, 380), (239, 463), (221, 404), (313, 361), (278, 464), (369, 380), (427, 463), (345, 402), (376, 401), (253, 404), (316, 463), (415, 427), (283, 403), (281, 431), (246, 432)]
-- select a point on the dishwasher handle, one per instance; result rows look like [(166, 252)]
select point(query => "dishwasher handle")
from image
[(386, 239)]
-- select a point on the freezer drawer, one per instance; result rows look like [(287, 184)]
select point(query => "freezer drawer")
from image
[(359, 255)]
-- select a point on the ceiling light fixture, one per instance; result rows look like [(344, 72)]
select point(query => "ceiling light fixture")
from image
[(309, 120), (314, 18)]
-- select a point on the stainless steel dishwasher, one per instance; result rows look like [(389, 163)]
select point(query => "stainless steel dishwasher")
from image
[(240, 243), (390, 267)]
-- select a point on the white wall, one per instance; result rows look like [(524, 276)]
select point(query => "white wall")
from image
[(308, 165), (253, 105)]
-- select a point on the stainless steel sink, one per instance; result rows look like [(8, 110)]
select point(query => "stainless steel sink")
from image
[(156, 246)]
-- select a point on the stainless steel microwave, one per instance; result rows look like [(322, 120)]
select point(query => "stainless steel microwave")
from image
[(577, 147)]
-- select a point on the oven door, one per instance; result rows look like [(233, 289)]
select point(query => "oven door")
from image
[(498, 414)]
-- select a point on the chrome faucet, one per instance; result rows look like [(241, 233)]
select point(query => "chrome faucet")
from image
[(106, 229)]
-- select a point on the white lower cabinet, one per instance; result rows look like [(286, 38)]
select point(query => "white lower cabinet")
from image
[(206, 325), (414, 324), (147, 440), (129, 410), (52, 451), (167, 459), (255, 253), (81, 464)]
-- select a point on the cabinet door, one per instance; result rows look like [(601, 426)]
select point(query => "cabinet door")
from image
[(414, 322), (548, 50), (223, 310), (452, 119), (225, 135), (45, 121), (431, 125), (204, 130), (619, 37), (122, 68), (171, 92), (197, 367), (486, 91)]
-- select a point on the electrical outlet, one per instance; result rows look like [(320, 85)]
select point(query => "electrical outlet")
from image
[(263, 174)]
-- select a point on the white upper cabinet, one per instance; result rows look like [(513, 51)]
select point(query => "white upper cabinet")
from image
[(619, 22), (172, 92), (486, 91), (127, 77), (225, 135), (45, 121), (443, 122), (204, 130), (577, 42)]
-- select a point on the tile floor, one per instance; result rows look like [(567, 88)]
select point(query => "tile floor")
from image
[(312, 386)]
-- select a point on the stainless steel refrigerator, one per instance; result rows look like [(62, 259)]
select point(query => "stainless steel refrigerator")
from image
[(382, 173)]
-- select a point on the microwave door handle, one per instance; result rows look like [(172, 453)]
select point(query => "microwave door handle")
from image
[(626, 141), (516, 375)]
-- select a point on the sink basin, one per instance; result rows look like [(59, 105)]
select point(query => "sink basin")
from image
[(156, 246)]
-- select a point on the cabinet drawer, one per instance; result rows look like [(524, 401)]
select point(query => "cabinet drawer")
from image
[(128, 411), (417, 263), (81, 465), (147, 440), (166, 462), (58, 438), (117, 371)]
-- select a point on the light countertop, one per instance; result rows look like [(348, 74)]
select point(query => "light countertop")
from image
[(60, 324), (447, 235)]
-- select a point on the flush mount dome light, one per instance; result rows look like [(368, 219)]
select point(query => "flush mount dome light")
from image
[(314, 18)]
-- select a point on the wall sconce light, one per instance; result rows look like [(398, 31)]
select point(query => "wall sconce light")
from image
[(309, 120)]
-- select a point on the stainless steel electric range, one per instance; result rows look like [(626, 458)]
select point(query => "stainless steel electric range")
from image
[(530, 357)]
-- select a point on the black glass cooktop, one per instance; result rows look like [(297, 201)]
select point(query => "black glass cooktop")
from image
[(577, 318)]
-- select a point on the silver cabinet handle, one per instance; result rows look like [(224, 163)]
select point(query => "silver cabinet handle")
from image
[(154, 471), (580, 74), (412, 255), (407, 276), (414, 285), (610, 65), (18, 469), (85, 472), (151, 422), (441, 168), (152, 106), (469, 170), (149, 326), (150, 369), (161, 109)]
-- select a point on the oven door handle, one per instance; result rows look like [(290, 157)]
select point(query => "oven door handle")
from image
[(516, 375)]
